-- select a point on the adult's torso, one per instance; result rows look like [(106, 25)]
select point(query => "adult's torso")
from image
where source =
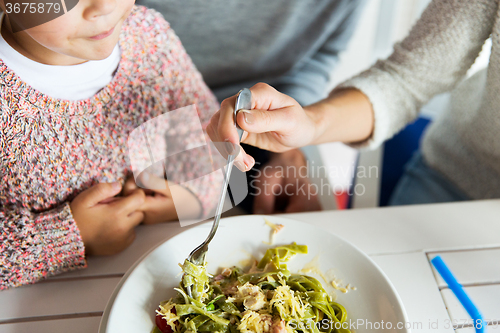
[(236, 41)]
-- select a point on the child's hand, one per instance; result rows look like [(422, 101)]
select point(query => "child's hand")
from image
[(159, 204), (106, 223)]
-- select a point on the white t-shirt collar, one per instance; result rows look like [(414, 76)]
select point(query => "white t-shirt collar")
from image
[(76, 82)]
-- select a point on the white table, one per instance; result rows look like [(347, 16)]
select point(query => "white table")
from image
[(401, 240)]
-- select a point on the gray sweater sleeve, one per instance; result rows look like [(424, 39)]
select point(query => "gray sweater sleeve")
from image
[(435, 56), (307, 82)]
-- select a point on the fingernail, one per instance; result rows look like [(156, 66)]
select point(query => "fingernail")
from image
[(145, 176), (251, 162), (116, 186), (249, 117), (229, 147), (240, 165)]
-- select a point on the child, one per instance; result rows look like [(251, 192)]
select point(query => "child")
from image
[(71, 92)]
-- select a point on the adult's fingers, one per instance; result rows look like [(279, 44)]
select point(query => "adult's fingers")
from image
[(243, 161), (264, 98), (99, 192), (226, 129), (263, 121), (271, 111), (266, 101)]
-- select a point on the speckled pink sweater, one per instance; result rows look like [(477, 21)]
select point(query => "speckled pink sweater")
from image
[(51, 150)]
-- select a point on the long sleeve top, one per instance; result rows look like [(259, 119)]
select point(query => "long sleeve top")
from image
[(293, 45), (463, 143), (53, 149)]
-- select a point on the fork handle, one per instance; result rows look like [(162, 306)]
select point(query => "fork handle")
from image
[(243, 102)]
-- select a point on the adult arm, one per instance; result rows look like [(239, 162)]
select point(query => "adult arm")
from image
[(376, 104), (306, 83), (435, 56)]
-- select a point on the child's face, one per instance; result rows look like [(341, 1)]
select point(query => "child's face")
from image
[(89, 31)]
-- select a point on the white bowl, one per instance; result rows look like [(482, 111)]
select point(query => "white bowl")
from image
[(373, 307)]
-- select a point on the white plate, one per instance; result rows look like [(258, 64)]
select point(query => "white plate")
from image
[(375, 302)]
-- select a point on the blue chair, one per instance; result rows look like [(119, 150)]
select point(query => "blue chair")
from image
[(397, 152)]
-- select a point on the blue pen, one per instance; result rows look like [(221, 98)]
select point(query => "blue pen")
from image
[(460, 293)]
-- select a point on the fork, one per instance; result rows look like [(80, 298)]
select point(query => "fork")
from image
[(197, 257)]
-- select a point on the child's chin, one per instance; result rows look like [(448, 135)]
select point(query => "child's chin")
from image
[(100, 53), (97, 50)]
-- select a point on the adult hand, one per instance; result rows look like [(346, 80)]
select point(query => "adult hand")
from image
[(282, 186), (107, 223), (159, 205), (276, 122)]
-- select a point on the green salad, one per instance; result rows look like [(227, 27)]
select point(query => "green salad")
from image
[(267, 298)]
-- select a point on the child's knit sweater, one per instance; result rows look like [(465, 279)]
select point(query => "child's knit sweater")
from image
[(51, 150)]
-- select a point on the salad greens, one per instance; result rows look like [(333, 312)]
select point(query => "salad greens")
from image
[(267, 298)]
